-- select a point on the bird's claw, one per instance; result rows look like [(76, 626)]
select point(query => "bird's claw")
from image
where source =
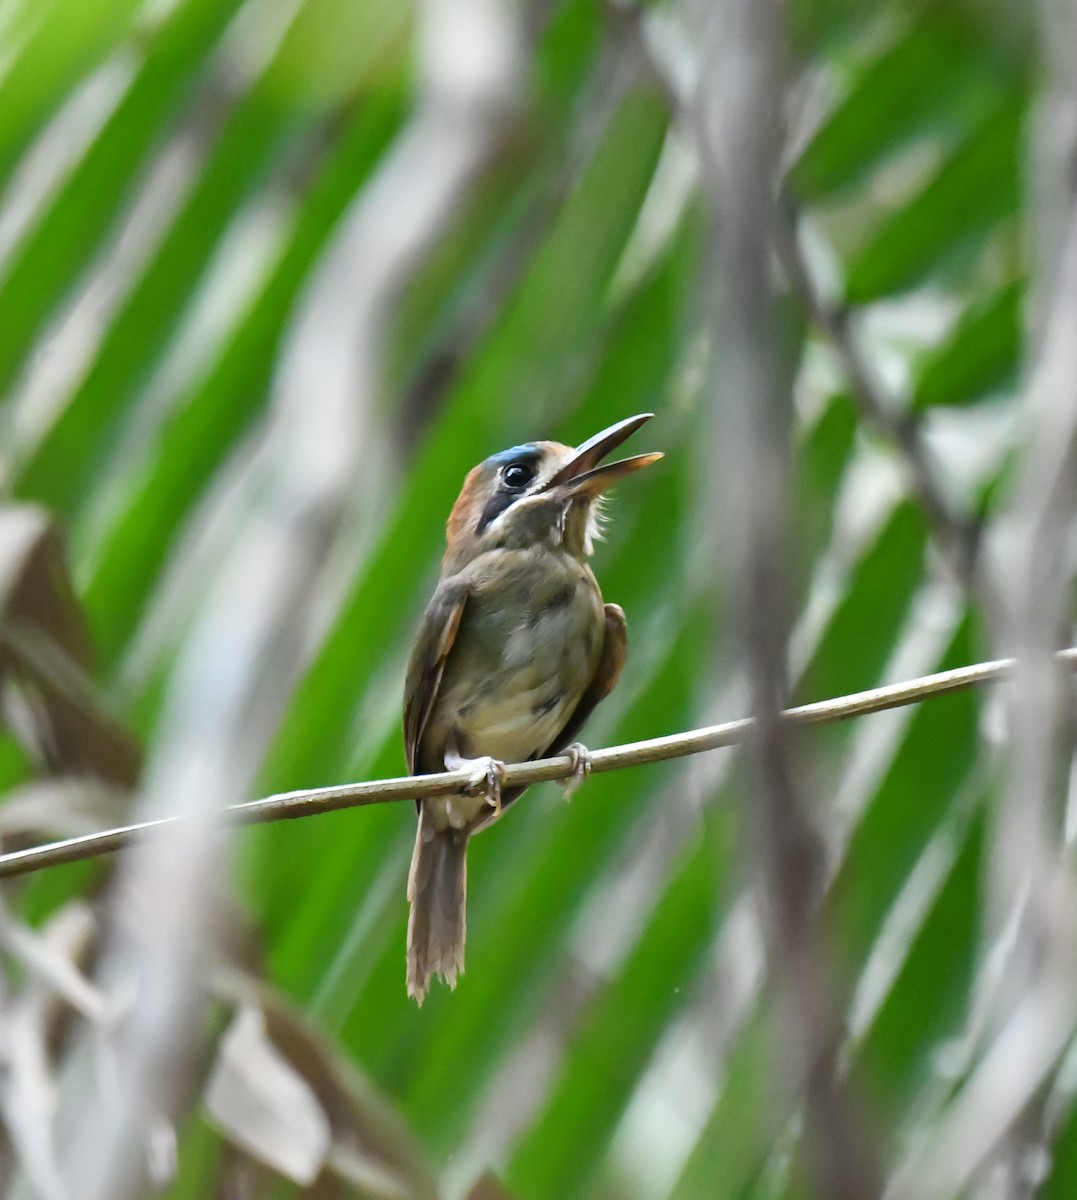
[(581, 768), (489, 776)]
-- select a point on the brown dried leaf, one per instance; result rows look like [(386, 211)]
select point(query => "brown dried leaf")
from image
[(369, 1146), (51, 959), (28, 1090), (489, 1187), (60, 808), (34, 581), (45, 656), (264, 1105)]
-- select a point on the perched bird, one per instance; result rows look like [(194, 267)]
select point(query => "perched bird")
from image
[(513, 653)]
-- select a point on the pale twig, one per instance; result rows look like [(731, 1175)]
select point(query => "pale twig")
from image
[(311, 802), (958, 537), (246, 651), (739, 121), (1031, 1001)]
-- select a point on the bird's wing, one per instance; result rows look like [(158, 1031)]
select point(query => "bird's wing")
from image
[(427, 663), (610, 664)]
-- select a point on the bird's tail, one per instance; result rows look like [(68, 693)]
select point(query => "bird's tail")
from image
[(437, 889)]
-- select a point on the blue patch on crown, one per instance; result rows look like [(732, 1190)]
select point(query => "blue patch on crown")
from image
[(527, 453)]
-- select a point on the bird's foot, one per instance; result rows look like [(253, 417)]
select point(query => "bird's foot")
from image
[(581, 768), (488, 775)]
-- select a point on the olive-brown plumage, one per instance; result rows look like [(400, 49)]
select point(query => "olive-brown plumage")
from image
[(514, 651)]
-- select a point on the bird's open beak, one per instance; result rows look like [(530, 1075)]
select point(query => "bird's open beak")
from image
[(583, 475)]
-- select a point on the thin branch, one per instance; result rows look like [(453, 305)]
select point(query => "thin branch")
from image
[(241, 661), (287, 806), (992, 1124), (958, 536), (739, 111)]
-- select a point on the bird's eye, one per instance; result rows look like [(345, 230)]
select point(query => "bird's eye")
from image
[(517, 475)]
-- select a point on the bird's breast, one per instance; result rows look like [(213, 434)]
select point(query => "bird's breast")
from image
[(527, 649)]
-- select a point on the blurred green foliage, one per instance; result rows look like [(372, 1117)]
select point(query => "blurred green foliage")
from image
[(569, 290)]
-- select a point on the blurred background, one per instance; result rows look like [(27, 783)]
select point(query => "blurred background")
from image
[(274, 274)]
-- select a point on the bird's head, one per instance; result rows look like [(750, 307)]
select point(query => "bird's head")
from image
[(540, 492)]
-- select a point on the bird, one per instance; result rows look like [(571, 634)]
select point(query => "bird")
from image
[(514, 651)]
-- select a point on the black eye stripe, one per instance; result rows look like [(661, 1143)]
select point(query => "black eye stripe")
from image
[(495, 506), (513, 478)]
